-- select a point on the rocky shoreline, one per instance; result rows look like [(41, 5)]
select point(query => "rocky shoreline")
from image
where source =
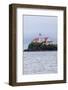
[(41, 47)]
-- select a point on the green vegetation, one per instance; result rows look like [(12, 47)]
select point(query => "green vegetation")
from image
[(41, 47)]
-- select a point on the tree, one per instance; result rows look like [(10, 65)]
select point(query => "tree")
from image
[(41, 47)]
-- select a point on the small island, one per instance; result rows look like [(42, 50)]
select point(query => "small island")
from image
[(41, 44)]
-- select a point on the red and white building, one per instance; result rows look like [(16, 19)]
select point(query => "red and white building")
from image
[(43, 40)]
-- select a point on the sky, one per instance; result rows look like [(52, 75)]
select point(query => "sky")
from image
[(33, 25)]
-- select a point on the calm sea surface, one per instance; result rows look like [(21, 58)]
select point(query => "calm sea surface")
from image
[(40, 62)]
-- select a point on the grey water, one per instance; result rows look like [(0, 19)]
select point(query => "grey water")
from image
[(40, 62)]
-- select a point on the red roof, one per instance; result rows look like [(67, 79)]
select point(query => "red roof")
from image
[(46, 38), (36, 39)]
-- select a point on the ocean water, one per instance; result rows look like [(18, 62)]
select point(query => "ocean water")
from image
[(40, 62)]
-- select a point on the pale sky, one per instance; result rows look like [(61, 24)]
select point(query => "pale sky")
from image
[(33, 25)]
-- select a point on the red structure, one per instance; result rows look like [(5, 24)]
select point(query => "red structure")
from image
[(40, 39)]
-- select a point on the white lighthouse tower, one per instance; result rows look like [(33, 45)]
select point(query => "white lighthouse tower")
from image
[(40, 38)]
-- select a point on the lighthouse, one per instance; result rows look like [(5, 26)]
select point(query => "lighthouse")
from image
[(43, 40), (40, 38)]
